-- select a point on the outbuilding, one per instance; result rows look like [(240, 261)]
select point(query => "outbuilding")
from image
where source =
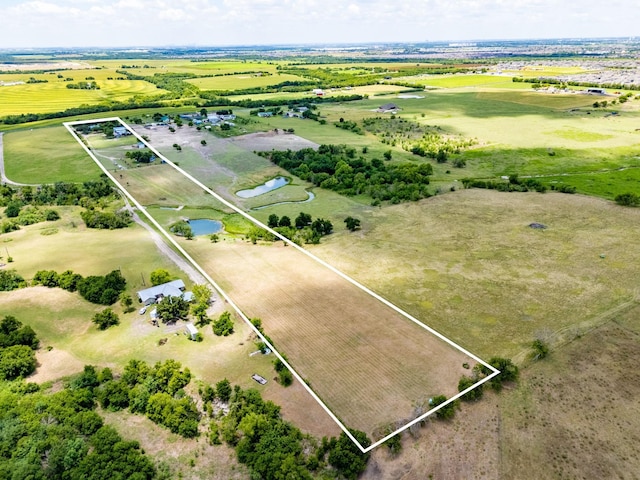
[(191, 331)]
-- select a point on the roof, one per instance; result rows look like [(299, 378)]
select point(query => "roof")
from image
[(389, 106), (191, 328), (169, 289)]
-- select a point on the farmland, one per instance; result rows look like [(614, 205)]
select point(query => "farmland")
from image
[(463, 261)]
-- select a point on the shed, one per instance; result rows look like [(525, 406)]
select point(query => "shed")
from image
[(388, 107), (191, 331)]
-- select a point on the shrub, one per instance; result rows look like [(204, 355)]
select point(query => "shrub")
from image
[(106, 319)]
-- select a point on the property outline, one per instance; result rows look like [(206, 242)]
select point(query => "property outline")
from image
[(172, 241)]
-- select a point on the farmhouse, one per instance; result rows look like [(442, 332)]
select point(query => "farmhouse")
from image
[(120, 132), (388, 107), (155, 294), (596, 91)]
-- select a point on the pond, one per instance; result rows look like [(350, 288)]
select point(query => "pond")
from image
[(267, 186), (204, 226)]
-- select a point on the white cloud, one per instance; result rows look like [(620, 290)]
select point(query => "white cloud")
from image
[(141, 22)]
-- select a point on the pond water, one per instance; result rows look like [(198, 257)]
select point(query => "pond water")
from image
[(264, 188), (204, 226)]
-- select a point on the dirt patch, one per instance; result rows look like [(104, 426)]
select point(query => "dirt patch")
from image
[(54, 364), (272, 140)]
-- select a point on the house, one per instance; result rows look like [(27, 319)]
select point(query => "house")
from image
[(191, 331), (155, 294), (596, 91), (388, 107), (120, 132), (318, 92), (265, 114)]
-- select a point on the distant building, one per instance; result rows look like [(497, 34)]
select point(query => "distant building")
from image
[(265, 114), (388, 107), (318, 91), (120, 132), (597, 91)]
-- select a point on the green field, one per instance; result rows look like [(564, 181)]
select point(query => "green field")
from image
[(56, 97), (240, 81), (46, 156)]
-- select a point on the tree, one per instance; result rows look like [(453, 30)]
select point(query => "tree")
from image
[(387, 155), (223, 390), (10, 280), (273, 220), (224, 325), (127, 302), (322, 227), (352, 223), (203, 142), (284, 221), (106, 319), (345, 456), (446, 412), (466, 382), (303, 220), (171, 309), (16, 361), (160, 276), (13, 209)]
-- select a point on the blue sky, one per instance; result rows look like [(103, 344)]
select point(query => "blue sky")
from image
[(67, 23)]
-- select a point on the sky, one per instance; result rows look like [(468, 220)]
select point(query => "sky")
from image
[(122, 23)]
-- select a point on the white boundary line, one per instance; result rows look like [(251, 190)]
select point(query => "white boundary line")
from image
[(69, 127)]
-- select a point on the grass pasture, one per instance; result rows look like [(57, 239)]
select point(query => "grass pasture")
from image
[(472, 268), (240, 81), (46, 155)]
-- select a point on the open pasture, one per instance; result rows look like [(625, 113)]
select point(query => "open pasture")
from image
[(476, 272), (240, 81), (462, 80), (46, 155), (209, 67)]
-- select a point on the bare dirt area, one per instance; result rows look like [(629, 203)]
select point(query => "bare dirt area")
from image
[(576, 414), (54, 364), (272, 140), (369, 364)]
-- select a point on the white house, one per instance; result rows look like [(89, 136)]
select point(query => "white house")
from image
[(155, 294)]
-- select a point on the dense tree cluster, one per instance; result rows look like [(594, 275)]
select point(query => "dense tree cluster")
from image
[(17, 343), (628, 199), (106, 220), (514, 184), (336, 167), (141, 156), (305, 229), (10, 280), (274, 449), (105, 319), (59, 436)]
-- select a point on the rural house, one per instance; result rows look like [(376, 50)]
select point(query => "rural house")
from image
[(155, 294), (388, 107)]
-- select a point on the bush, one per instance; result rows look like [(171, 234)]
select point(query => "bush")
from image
[(224, 325), (10, 280), (106, 319), (628, 199), (464, 383), (16, 361)]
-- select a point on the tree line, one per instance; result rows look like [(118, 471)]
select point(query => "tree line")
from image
[(99, 289)]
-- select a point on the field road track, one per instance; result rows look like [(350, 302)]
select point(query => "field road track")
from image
[(164, 248), (3, 177)]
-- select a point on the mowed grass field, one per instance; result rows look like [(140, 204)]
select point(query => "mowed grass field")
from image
[(240, 81), (370, 365), (46, 155)]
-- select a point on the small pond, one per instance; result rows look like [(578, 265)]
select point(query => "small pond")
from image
[(264, 188), (205, 226)]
